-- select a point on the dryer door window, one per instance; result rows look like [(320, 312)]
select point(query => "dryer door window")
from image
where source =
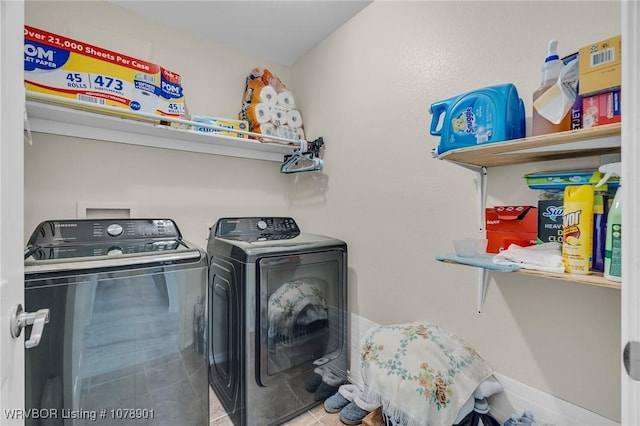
[(302, 312)]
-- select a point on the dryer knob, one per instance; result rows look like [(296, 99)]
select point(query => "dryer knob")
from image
[(262, 225), (114, 230)]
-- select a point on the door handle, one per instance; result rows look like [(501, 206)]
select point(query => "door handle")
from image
[(631, 359), (20, 319)]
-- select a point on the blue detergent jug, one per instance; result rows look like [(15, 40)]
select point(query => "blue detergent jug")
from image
[(491, 114)]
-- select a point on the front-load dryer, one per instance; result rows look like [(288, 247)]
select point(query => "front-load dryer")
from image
[(278, 315)]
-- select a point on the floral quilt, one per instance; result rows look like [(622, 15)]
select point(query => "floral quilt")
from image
[(295, 304), (419, 373)]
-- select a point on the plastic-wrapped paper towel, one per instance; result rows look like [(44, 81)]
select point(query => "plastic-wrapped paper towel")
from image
[(278, 116), (268, 101), (294, 118), (285, 100), (266, 129), (542, 257), (287, 132), (268, 96), (258, 114)]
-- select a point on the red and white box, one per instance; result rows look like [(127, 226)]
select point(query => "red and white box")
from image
[(601, 109), (508, 225)]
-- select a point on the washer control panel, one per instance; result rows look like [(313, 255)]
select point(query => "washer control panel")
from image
[(256, 228), (59, 239), (102, 230)]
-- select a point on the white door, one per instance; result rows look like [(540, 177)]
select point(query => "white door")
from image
[(630, 305), (11, 208)]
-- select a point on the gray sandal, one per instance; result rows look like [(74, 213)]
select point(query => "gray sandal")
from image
[(335, 403), (352, 414)]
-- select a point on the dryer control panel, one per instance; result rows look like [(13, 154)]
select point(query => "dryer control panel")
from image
[(257, 228)]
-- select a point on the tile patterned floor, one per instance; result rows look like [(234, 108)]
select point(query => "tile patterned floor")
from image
[(314, 417)]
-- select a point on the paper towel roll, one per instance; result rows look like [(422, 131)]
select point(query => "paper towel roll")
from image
[(294, 118), (268, 96), (267, 129), (278, 116), (285, 100), (287, 132), (258, 113)]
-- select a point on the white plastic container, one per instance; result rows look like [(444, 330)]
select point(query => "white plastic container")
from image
[(470, 247)]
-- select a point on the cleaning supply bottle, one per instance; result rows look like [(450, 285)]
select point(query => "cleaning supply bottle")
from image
[(600, 211), (577, 220), (550, 72), (613, 244), (491, 114)]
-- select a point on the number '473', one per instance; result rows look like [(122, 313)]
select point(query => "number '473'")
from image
[(108, 82)]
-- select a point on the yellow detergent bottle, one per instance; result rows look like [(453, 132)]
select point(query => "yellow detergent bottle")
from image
[(577, 228)]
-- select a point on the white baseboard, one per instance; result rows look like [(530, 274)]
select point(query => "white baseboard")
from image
[(547, 409), (358, 326), (516, 397)]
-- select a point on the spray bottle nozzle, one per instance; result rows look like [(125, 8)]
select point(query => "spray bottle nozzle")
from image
[(552, 51), (611, 169)]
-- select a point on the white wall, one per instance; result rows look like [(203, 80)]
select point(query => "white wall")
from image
[(367, 89), (192, 189)]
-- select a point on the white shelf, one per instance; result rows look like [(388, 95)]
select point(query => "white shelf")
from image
[(60, 120), (570, 144), (596, 279), (565, 145), (575, 143)]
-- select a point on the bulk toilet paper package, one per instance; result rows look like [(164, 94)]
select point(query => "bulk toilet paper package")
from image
[(269, 107), (71, 69)]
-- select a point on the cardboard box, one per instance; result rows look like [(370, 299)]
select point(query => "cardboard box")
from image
[(221, 122), (600, 66), (576, 109), (550, 221), (507, 225), (601, 109), (71, 69)]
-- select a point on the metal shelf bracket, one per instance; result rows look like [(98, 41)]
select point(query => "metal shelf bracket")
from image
[(483, 274)]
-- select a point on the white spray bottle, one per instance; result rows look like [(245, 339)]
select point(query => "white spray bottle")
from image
[(613, 244)]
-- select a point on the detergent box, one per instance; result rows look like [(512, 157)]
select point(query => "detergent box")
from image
[(487, 115), (508, 225), (601, 109), (221, 122), (600, 66), (550, 220), (576, 108), (71, 69)]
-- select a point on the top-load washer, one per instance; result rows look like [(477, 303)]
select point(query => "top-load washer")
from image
[(125, 338), (278, 315)]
